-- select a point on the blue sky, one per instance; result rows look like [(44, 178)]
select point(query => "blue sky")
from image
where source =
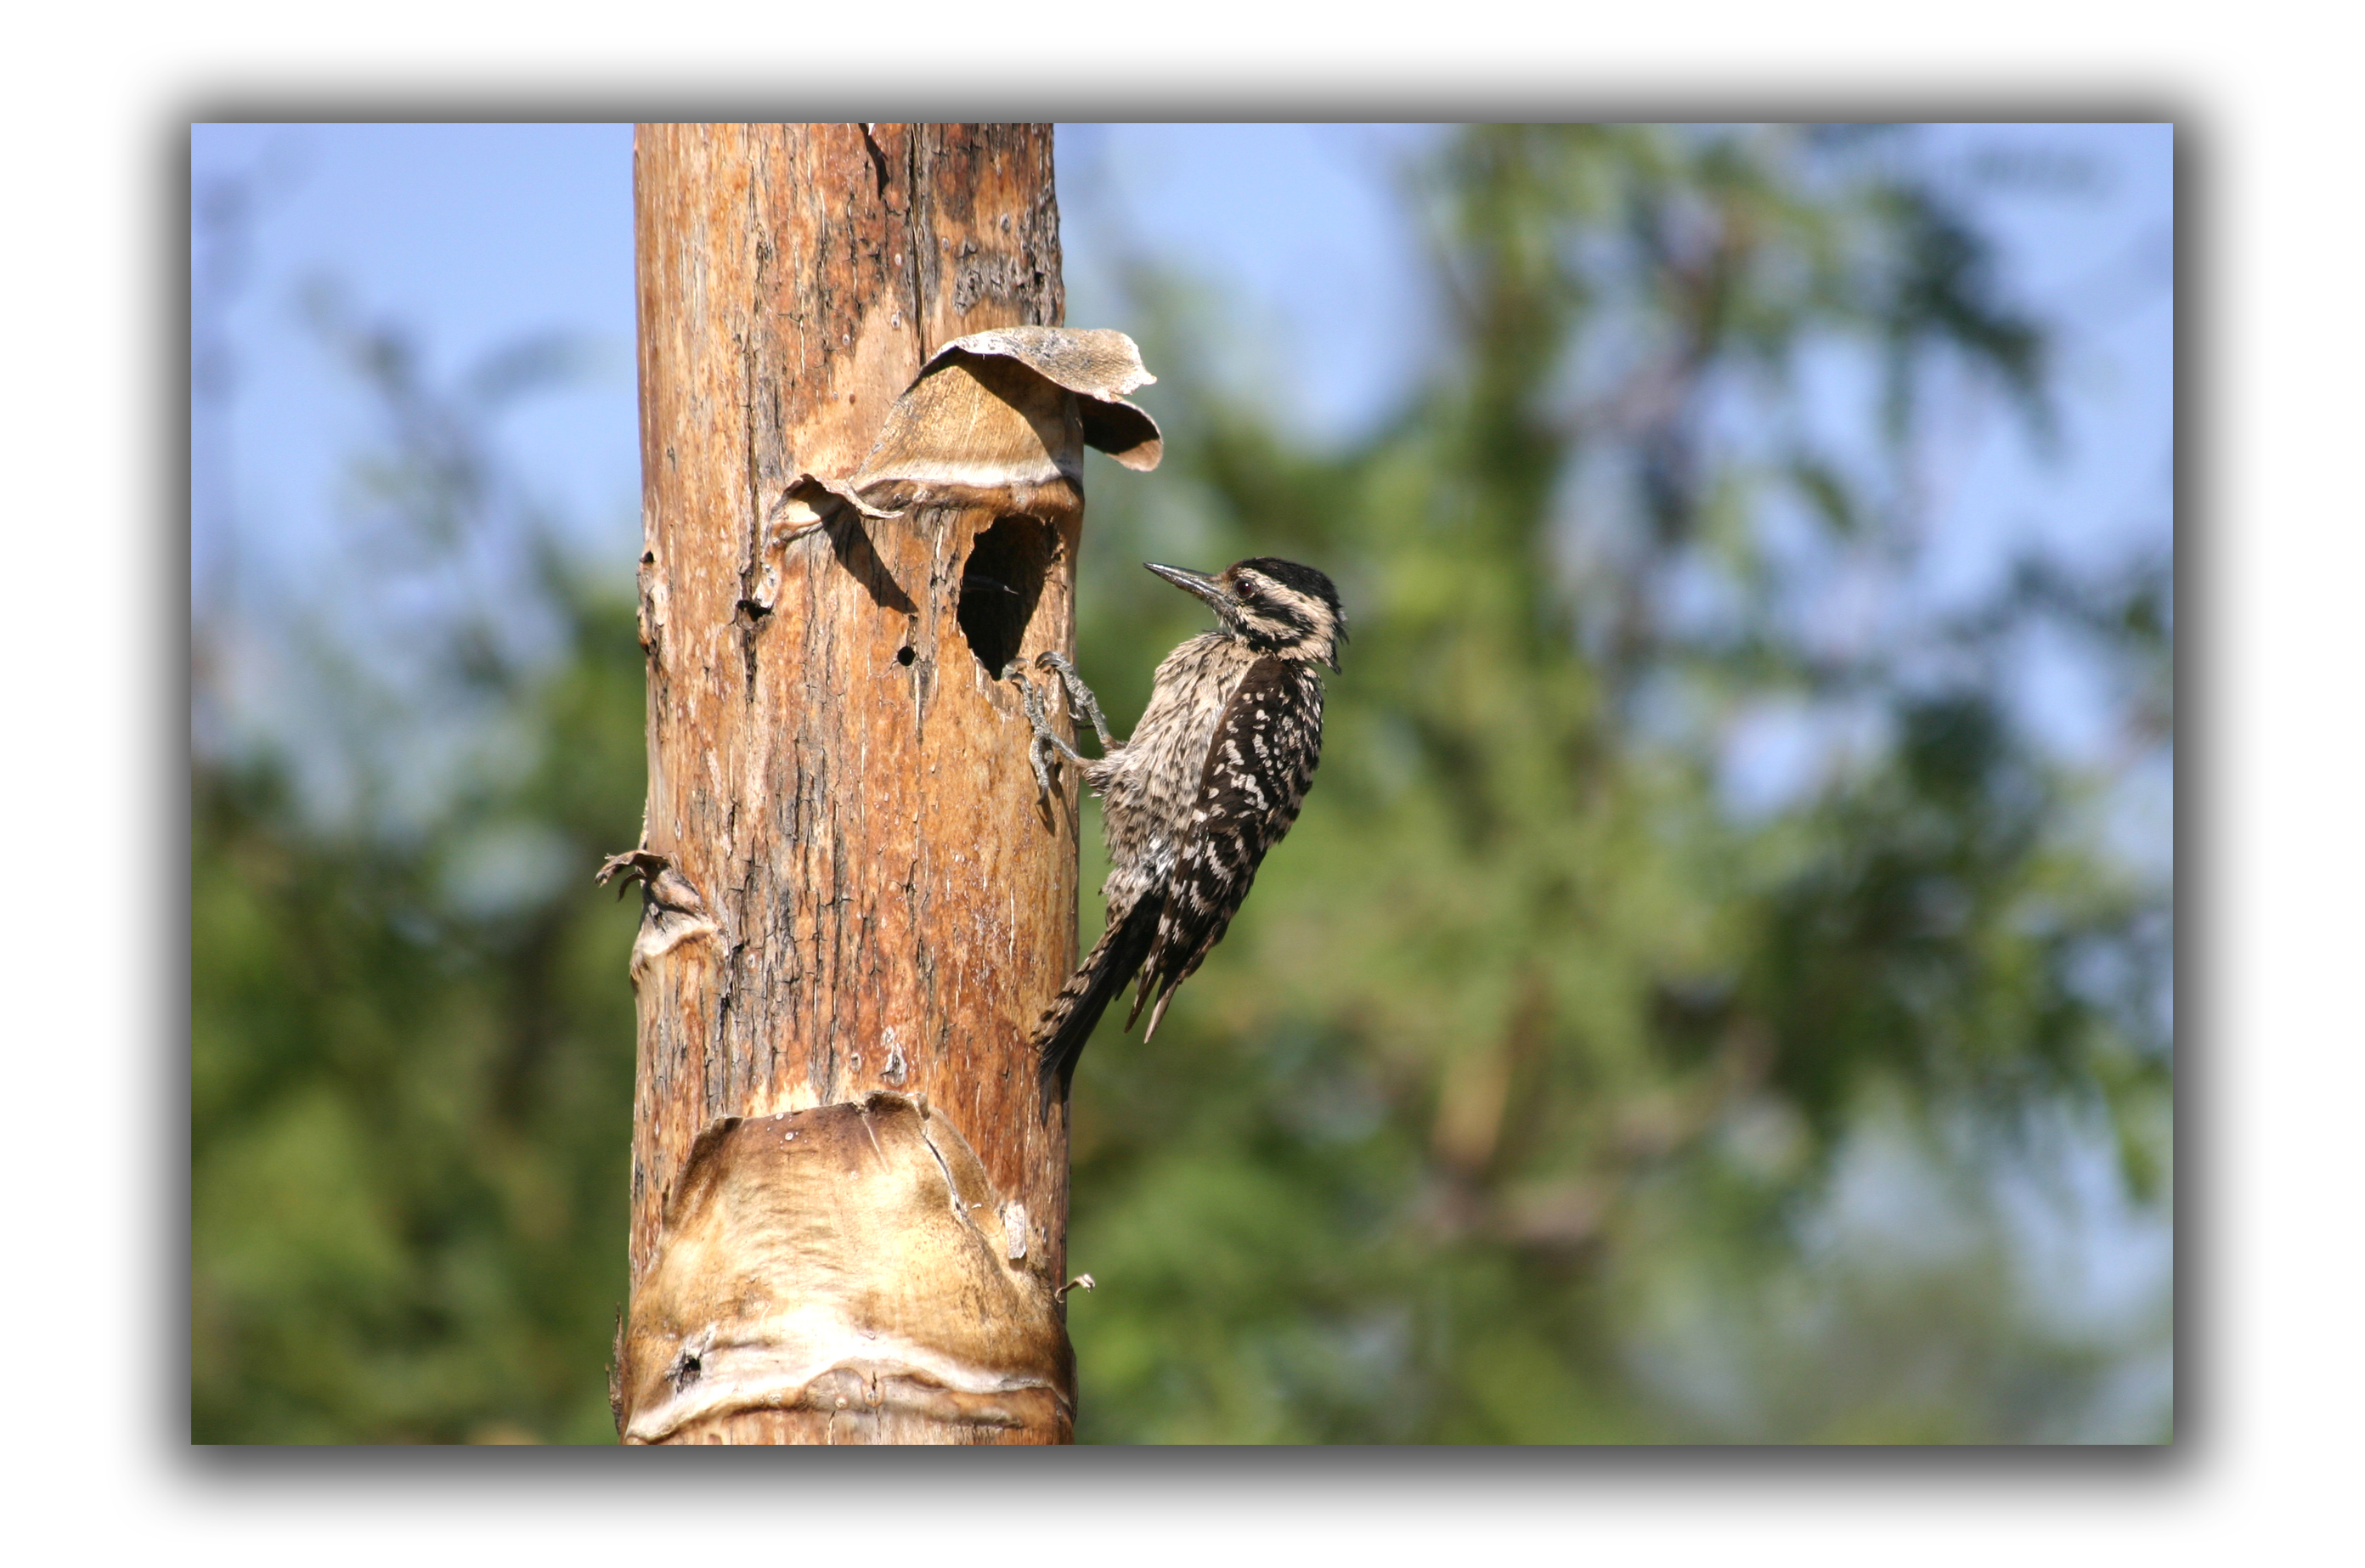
[(474, 235), (469, 236)]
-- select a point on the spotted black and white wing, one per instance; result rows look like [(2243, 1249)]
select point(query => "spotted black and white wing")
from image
[(1266, 746)]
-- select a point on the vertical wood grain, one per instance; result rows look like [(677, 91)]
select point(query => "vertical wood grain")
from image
[(831, 767)]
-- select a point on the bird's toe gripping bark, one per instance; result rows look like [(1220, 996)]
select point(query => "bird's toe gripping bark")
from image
[(1080, 695), (1045, 742)]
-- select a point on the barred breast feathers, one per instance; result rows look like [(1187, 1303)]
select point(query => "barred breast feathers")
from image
[(1151, 781), (1257, 768), (1212, 777)]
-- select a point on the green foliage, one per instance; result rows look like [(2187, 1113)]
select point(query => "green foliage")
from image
[(1532, 1096), (1525, 1034), (410, 1110), (411, 1035)]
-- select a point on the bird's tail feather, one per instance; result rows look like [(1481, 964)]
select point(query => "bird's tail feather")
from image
[(1068, 1022)]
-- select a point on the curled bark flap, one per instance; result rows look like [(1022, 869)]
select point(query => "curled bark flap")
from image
[(1092, 362), (1015, 407), (851, 1253), (1123, 431), (801, 502), (1099, 365)]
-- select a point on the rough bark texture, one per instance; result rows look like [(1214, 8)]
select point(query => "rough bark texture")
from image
[(853, 887)]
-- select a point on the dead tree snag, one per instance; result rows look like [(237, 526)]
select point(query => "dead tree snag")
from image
[(862, 437)]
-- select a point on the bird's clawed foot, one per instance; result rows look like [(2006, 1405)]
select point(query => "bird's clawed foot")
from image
[(1044, 749), (1080, 695)]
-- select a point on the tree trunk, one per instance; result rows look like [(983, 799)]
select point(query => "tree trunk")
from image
[(848, 1216)]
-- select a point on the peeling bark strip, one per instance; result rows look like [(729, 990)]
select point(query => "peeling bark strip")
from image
[(810, 1261), (860, 457)]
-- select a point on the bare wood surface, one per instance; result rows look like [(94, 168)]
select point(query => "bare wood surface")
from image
[(859, 889), (849, 1274)]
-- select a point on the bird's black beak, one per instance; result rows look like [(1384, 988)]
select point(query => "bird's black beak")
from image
[(1206, 586)]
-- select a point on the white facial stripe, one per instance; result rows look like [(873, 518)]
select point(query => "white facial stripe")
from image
[(1273, 614)]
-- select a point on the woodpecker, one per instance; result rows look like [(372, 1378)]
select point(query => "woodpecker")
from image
[(1213, 777)]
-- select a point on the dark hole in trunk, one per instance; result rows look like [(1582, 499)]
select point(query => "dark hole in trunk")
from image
[(999, 583)]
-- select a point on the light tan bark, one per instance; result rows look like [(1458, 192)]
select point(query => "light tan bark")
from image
[(855, 904)]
